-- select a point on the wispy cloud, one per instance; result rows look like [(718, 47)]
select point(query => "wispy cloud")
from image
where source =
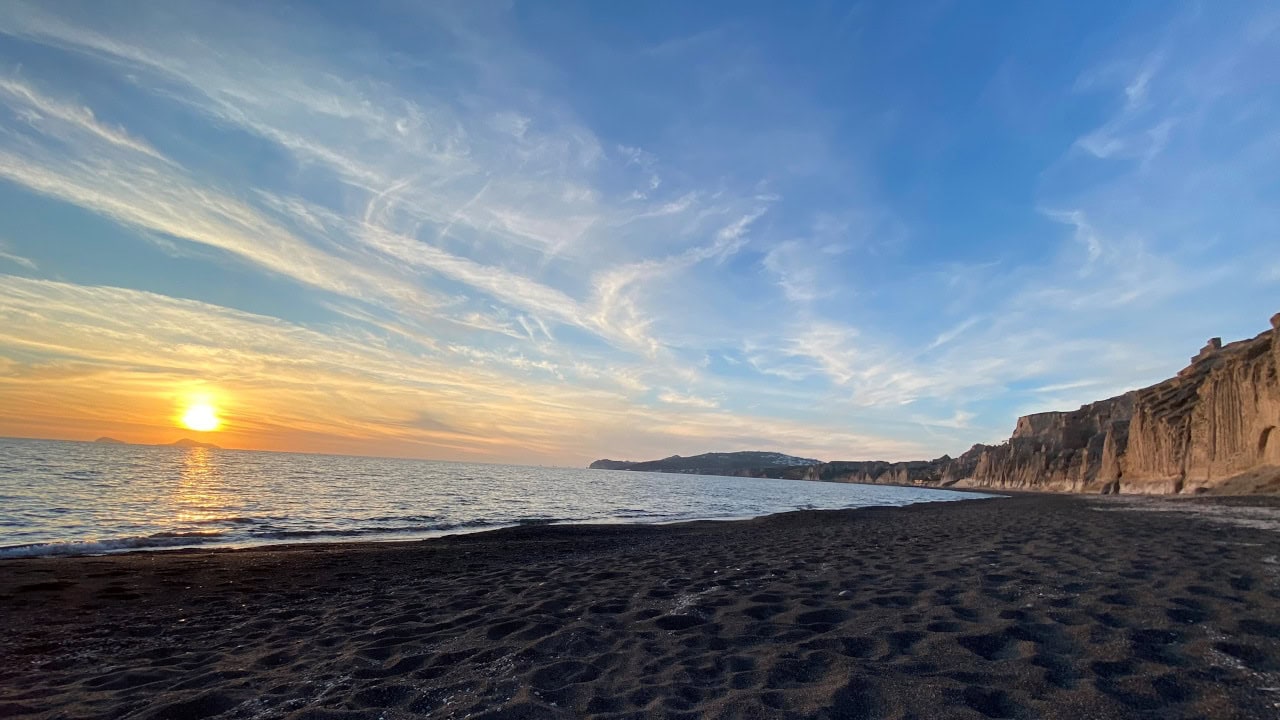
[(421, 166), (339, 382), (131, 183), (675, 398), (482, 260), (17, 259), (34, 108), (952, 333), (1141, 128), (800, 280)]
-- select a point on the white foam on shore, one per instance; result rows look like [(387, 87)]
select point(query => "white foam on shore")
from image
[(82, 499), (1251, 516), (169, 540), (99, 547)]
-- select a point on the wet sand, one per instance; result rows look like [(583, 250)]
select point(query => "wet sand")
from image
[(1030, 606)]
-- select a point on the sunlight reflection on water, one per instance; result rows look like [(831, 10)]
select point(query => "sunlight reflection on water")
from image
[(65, 497)]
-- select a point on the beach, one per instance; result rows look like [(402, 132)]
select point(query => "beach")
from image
[(1020, 607)]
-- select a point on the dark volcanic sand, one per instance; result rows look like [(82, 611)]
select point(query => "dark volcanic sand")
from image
[(1024, 607)]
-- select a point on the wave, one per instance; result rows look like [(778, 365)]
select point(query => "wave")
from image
[(174, 539), (241, 531), (400, 518), (235, 520), (100, 547), (433, 528), (633, 513)]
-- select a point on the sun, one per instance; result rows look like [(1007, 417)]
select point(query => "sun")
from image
[(201, 417)]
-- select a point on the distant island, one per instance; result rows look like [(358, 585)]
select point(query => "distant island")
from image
[(183, 443), (189, 443), (749, 463)]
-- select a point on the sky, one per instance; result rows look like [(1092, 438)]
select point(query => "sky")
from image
[(547, 233)]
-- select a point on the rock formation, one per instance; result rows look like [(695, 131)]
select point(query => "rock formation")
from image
[(1213, 427), (611, 464), (1212, 424)]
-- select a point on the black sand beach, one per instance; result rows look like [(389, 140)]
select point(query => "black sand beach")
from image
[(1031, 606)]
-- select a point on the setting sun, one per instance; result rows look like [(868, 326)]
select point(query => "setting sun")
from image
[(201, 417)]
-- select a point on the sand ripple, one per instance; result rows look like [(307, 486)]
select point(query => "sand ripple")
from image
[(1017, 608)]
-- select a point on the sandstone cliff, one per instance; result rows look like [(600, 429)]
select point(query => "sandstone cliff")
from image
[(1073, 451), (1212, 425), (1210, 428)]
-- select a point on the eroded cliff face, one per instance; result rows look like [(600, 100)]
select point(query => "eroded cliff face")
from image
[(1211, 428), (1212, 424), (1055, 451), (1058, 451), (941, 472)]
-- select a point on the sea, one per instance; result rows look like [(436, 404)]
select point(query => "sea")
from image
[(80, 498)]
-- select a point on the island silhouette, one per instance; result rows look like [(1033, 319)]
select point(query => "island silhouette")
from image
[(183, 442)]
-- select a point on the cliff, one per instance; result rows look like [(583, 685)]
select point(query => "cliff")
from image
[(611, 465), (1212, 428), (1213, 425), (940, 472)]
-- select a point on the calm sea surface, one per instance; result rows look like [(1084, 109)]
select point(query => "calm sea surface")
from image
[(63, 498)]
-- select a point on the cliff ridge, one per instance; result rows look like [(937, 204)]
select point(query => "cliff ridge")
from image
[(749, 463), (1210, 428)]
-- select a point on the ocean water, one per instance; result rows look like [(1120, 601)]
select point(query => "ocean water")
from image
[(69, 498)]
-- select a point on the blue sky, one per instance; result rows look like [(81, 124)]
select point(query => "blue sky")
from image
[(549, 232)]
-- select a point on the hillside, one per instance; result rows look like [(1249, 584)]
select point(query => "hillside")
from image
[(746, 464)]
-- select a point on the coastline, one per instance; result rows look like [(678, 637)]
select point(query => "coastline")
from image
[(245, 530), (331, 543), (1020, 606)]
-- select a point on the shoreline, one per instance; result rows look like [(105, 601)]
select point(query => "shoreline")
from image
[(1025, 606), (19, 552)]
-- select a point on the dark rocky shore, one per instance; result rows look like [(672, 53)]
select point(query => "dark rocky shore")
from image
[(1025, 607)]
